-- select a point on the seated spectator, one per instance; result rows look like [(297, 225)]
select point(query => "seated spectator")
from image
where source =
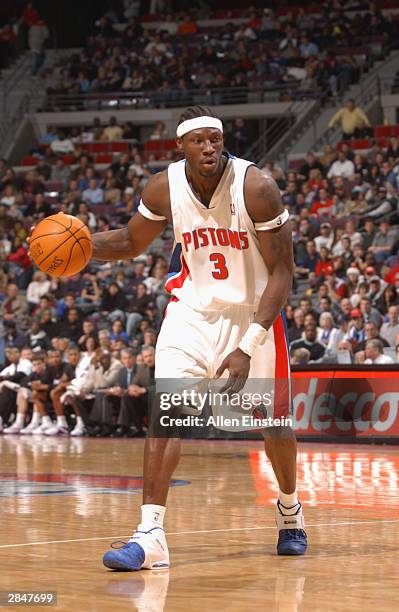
[(308, 264), (342, 167), (374, 354), (14, 308), (187, 26), (62, 145), (370, 313), (63, 375), (371, 333), (300, 356), (159, 132), (71, 327), (113, 131), (383, 242), (101, 376), (117, 331), (93, 194), (326, 237), (328, 334), (310, 342), (113, 303), (33, 389), (390, 329), (39, 286)]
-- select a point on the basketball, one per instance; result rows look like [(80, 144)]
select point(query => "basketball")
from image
[(61, 245)]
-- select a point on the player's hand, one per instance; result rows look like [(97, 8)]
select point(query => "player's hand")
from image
[(32, 227), (238, 364)]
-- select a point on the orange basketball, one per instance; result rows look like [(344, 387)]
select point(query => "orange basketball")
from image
[(61, 245)]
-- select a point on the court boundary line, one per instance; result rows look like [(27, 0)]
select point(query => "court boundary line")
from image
[(170, 533)]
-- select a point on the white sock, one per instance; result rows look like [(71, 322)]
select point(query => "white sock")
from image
[(35, 422), (20, 419), (289, 501), (47, 421), (61, 421), (151, 516), (79, 421)]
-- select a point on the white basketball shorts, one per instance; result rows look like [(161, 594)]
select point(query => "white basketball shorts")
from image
[(192, 345)]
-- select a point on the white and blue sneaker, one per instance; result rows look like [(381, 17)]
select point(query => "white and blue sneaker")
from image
[(145, 550), (292, 539)]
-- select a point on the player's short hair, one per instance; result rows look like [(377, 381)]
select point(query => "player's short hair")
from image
[(192, 112)]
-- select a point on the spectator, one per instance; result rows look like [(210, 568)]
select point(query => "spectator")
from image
[(113, 131), (102, 375), (93, 194), (351, 118), (374, 353), (383, 242), (300, 356), (310, 342), (328, 335), (342, 167), (39, 286), (38, 34), (390, 329), (113, 303)]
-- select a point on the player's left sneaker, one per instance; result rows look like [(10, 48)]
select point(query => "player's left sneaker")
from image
[(292, 539), (145, 550)]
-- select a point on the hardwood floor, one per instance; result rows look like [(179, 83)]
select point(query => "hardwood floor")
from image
[(63, 501)]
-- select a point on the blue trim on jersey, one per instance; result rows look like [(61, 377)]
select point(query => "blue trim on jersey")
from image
[(175, 265), (284, 318)]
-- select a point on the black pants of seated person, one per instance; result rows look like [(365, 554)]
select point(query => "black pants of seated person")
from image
[(132, 412), (8, 404), (105, 410)]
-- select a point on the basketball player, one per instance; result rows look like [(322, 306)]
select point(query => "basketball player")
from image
[(235, 250)]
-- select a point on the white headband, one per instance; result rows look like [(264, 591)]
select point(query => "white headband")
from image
[(198, 123)]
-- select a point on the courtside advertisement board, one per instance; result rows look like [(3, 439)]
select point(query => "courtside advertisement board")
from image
[(346, 403)]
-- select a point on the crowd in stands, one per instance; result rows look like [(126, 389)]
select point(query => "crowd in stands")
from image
[(80, 350), (307, 53), (25, 31)]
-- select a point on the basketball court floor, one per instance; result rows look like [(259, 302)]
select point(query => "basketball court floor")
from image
[(63, 501)]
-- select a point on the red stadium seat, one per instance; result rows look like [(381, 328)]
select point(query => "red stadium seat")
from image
[(29, 160), (152, 145), (119, 147), (68, 159), (382, 131), (104, 159), (99, 147)]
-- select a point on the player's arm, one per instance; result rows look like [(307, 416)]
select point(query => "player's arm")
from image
[(264, 205), (140, 232)]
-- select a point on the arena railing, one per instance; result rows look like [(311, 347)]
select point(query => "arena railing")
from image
[(175, 98)]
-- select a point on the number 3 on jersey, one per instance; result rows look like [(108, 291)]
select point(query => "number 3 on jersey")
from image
[(220, 271)]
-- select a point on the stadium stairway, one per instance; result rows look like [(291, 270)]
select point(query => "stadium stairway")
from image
[(311, 132), (20, 92), (364, 93)]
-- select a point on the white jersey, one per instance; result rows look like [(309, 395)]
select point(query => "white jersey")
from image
[(217, 260)]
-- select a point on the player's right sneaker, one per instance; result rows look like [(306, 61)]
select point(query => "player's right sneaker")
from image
[(145, 550)]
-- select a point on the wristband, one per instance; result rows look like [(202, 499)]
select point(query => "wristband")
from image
[(253, 337)]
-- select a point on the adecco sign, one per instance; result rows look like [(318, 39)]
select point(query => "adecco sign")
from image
[(346, 403)]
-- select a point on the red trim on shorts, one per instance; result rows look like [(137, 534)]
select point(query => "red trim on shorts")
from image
[(176, 282), (281, 371)]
